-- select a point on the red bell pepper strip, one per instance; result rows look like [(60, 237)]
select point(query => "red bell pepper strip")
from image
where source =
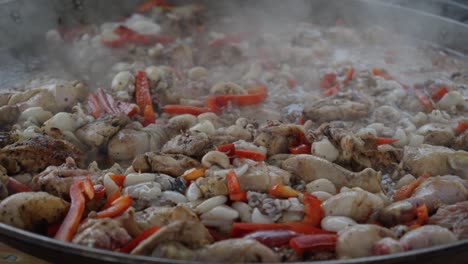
[(328, 81), (319, 242), (300, 149), (99, 191), (249, 154), (461, 127), (440, 93), (111, 198), (137, 240), (80, 191), (194, 174), (348, 76), (383, 141), (185, 109), (313, 212), (15, 186), (118, 179), (292, 83), (232, 38), (235, 191), (242, 229), (143, 98), (255, 96), (273, 238), (423, 99), (422, 215), (227, 148), (147, 5), (281, 191), (117, 207), (94, 105), (332, 90), (407, 190)]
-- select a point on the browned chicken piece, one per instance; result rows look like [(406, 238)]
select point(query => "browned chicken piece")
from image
[(436, 160), (37, 153), (32, 211), (97, 134), (433, 192), (57, 180), (9, 114), (106, 233), (335, 109), (191, 145), (240, 250), (170, 164), (453, 217), (162, 216), (192, 234)]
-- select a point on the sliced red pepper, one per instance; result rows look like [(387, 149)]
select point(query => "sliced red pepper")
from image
[(348, 76), (422, 215), (227, 148), (80, 191), (423, 99), (117, 207), (99, 191), (281, 191), (147, 5), (461, 127), (114, 43), (255, 96), (107, 102), (249, 154), (94, 105), (301, 149), (319, 242), (232, 38), (407, 190), (137, 240), (185, 109), (313, 212), (328, 80), (332, 91), (440, 93), (15, 186), (292, 83), (194, 174), (381, 73), (305, 228), (143, 98), (118, 179), (383, 141), (235, 191), (111, 198), (273, 238)]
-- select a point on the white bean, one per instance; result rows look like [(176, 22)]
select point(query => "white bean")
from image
[(193, 192), (325, 149), (415, 140), (258, 217), (401, 136), (221, 212), (136, 178), (323, 185), (111, 186), (405, 180), (36, 113), (196, 73), (63, 121), (210, 203), (204, 126), (244, 210), (122, 80), (337, 223), (450, 100), (174, 197), (322, 196)]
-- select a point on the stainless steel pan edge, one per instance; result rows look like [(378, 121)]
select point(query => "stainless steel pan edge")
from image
[(14, 21)]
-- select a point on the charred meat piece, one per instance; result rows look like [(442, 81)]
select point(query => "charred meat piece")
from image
[(37, 153), (170, 164)]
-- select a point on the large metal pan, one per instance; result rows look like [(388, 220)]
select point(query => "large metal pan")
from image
[(22, 26)]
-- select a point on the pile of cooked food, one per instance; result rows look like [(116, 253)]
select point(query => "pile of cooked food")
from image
[(191, 136)]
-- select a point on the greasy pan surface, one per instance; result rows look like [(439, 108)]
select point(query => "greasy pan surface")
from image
[(444, 32)]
